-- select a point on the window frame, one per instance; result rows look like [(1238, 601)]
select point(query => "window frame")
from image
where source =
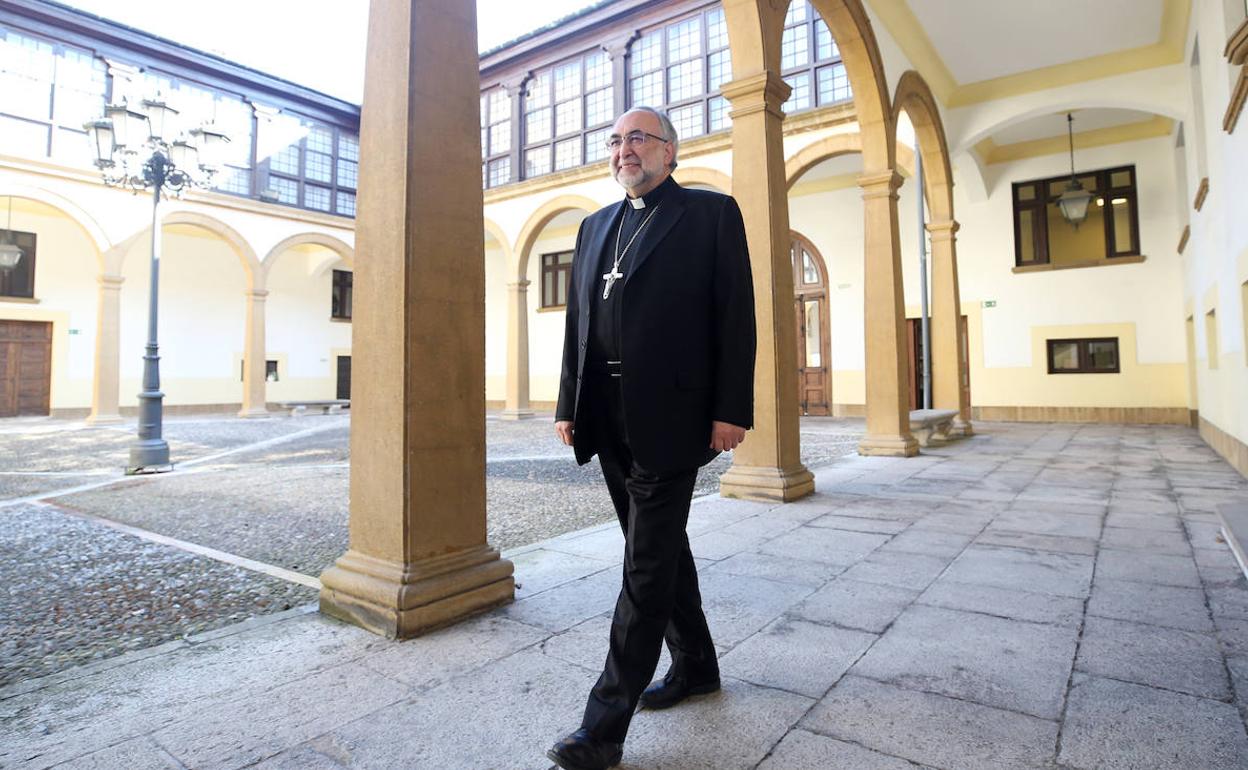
[(302, 181), (28, 243), (492, 159), (1043, 201), (551, 265), (580, 135), (814, 65), (342, 281), (1084, 356)]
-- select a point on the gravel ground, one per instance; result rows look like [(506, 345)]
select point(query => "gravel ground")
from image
[(77, 591)]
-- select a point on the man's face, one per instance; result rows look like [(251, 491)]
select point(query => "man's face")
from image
[(640, 169)]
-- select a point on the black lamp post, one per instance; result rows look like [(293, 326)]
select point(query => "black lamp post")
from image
[(137, 149)]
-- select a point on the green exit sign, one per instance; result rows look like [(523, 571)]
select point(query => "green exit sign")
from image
[(990, 303)]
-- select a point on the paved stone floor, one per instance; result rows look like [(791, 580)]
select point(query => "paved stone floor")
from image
[(273, 491), (1038, 596)]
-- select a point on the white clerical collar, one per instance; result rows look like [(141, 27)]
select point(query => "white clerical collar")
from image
[(637, 203)]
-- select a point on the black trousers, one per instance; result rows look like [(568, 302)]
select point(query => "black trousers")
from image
[(659, 599)]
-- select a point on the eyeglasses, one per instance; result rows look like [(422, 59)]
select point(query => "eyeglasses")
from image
[(635, 139)]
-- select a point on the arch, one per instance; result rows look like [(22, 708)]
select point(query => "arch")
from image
[(996, 119), (337, 245), (915, 97), (493, 229), (829, 147), (708, 177), (539, 219), (246, 254), (73, 211)]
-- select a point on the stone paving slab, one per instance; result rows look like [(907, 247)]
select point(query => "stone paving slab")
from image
[(797, 656), (1182, 608), (1060, 574), (802, 750), (1168, 658)]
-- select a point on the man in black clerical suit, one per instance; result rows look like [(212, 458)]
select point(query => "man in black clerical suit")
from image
[(658, 378)]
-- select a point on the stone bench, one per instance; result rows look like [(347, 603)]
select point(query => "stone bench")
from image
[(931, 426), (328, 406), (1234, 520)]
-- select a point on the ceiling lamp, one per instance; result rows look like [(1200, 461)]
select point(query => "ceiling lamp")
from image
[(1074, 201), (10, 254)]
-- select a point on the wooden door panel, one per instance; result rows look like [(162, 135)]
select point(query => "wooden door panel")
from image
[(25, 368)]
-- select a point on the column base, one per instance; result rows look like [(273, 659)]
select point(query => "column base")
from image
[(962, 428), (105, 419), (888, 446), (766, 484), (517, 414), (254, 413), (400, 601)]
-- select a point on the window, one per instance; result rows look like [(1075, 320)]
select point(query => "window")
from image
[(680, 67), (270, 371), (20, 281), (567, 109), (1211, 338), (312, 165), (556, 278), (1087, 356), (1042, 236), (340, 295), (495, 137), (810, 61), (50, 90)]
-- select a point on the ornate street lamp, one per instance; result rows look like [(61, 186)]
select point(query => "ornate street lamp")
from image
[(143, 150), (1074, 201), (10, 253)]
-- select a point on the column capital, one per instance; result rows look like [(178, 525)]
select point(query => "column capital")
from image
[(257, 295), (110, 282), (943, 231), (514, 85), (763, 92), (879, 184), (520, 286), (618, 46), (121, 69), (264, 111)]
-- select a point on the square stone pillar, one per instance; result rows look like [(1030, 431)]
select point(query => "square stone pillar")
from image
[(888, 404), (106, 382), (949, 363), (418, 556), (517, 407), (254, 356), (768, 465)]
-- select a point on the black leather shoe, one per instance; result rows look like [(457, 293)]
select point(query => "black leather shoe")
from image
[(670, 690), (582, 751)]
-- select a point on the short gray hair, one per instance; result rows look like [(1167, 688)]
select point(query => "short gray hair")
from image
[(667, 129)]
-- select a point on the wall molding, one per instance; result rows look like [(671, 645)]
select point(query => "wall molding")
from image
[(1117, 415), (1230, 448)]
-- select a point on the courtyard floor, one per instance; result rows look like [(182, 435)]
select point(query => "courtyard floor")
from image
[(1039, 596)]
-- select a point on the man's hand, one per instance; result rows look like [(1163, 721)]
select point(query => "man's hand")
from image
[(724, 435), (563, 428)]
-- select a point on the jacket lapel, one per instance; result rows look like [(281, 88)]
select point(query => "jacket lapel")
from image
[(665, 218)]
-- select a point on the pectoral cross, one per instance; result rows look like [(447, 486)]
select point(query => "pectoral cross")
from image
[(611, 278)]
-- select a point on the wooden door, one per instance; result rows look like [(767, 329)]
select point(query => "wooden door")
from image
[(814, 381), (344, 377), (25, 368), (965, 353), (914, 356)]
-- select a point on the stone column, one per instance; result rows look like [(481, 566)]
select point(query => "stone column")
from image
[(254, 357), (768, 465), (418, 555), (106, 384), (888, 404), (617, 51), (517, 405), (948, 358)]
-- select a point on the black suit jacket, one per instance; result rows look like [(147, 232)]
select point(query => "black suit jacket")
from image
[(687, 338)]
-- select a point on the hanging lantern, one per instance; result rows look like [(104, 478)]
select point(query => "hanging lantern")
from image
[(1073, 202)]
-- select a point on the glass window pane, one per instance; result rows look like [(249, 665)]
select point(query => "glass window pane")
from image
[(598, 107), (799, 11), (321, 139), (720, 118), (1025, 192), (287, 190), (646, 55), (684, 40), (24, 138), (688, 121), (1124, 238), (319, 166), (834, 84), (1065, 355), (348, 173), (499, 105), (548, 288), (286, 161), (233, 180), (825, 45), (799, 99), (568, 117), (345, 203), (595, 145), (537, 126), (26, 97), (684, 81), (500, 137), (537, 162), (720, 69), (568, 80), (814, 337), (538, 91), (1103, 355), (810, 273), (568, 153), (597, 71), (716, 29), (500, 171), (647, 90), (1120, 178), (1027, 235), (315, 197), (72, 147), (794, 48)]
